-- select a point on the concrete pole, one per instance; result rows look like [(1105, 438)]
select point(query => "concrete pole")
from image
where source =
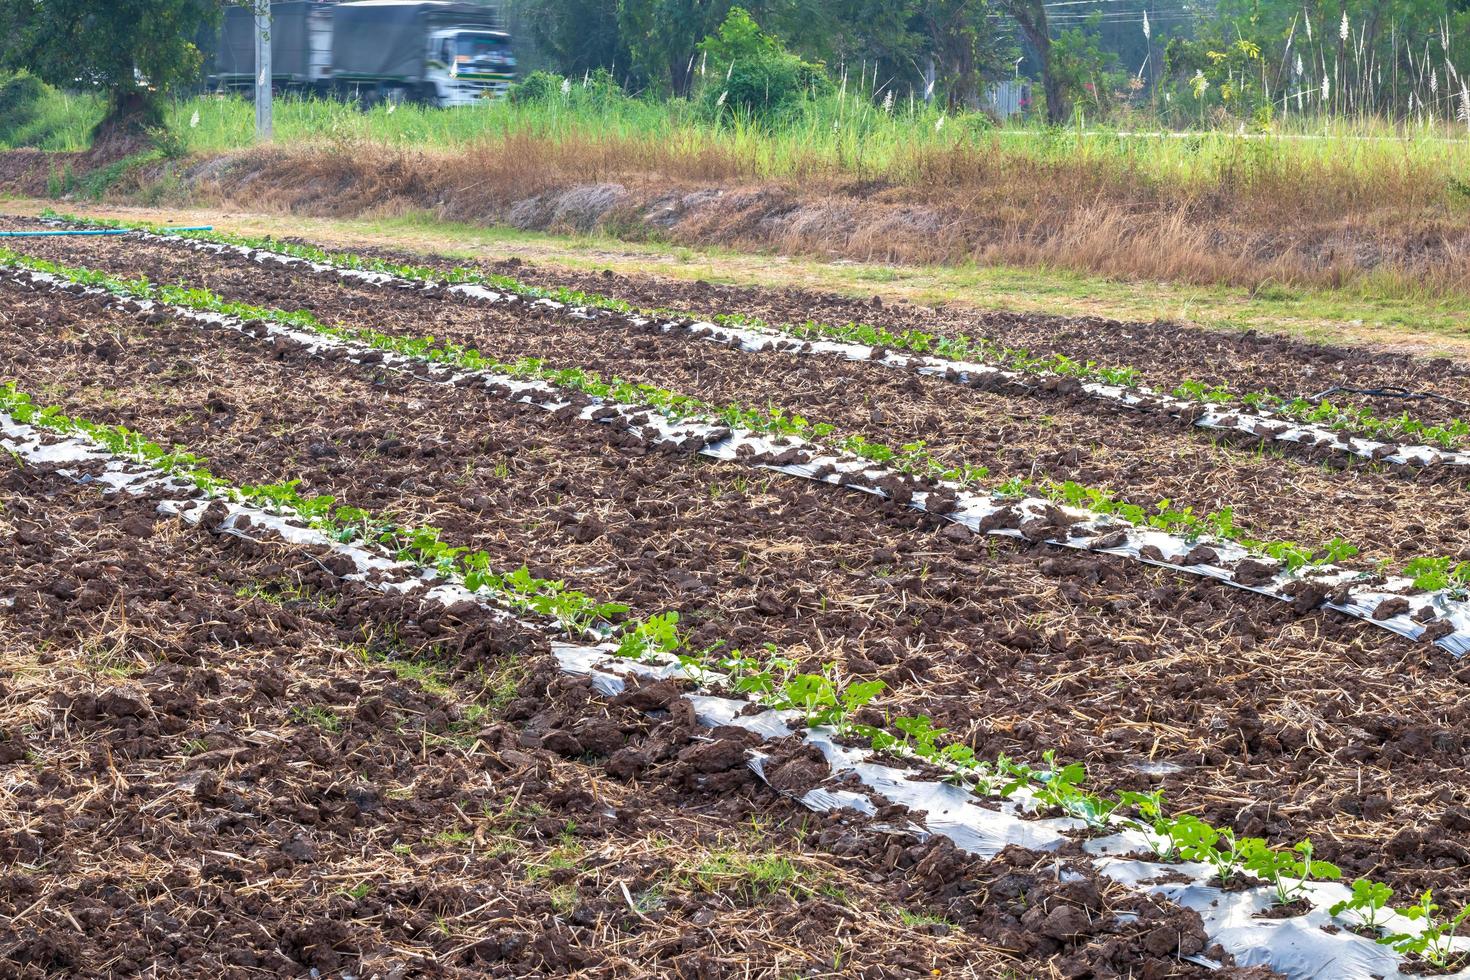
[(264, 125)]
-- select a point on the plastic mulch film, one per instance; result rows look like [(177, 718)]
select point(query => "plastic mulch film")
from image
[(1310, 945), (1388, 602), (1298, 947), (1258, 423)]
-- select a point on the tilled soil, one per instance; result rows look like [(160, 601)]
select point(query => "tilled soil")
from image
[(219, 758), (1282, 724), (1165, 353), (1389, 512)]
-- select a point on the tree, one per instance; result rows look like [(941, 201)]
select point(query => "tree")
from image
[(1084, 72), (1326, 57), (662, 35), (133, 50), (577, 36), (1031, 16), (963, 42), (765, 81)]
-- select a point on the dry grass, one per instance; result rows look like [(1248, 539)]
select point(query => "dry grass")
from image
[(1391, 235), (1325, 202)]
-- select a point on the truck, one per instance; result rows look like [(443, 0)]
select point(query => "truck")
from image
[(432, 52)]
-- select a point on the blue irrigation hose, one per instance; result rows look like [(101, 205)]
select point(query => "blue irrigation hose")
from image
[(90, 231)]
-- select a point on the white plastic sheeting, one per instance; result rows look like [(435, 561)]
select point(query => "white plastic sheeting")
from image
[(1258, 423), (1354, 592), (1297, 947)]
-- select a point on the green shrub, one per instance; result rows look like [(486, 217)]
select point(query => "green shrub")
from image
[(597, 89), (20, 99), (539, 86), (754, 77), (33, 114)]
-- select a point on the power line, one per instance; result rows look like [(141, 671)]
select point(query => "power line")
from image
[(1131, 17), (1078, 3)]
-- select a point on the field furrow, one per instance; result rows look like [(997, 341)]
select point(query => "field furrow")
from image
[(222, 397), (288, 773), (638, 685), (1280, 423), (1386, 512), (949, 810), (1163, 354)]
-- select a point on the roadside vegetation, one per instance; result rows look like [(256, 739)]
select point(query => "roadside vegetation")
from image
[(837, 135), (1204, 208), (1204, 165)]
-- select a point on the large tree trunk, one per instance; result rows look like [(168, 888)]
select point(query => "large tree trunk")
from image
[(964, 85), (954, 47), (131, 113), (1056, 100), (681, 78), (1031, 16)]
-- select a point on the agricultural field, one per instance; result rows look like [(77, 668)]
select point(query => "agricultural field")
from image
[(371, 614)]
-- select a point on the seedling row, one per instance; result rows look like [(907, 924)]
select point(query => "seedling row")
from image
[(164, 419), (975, 361), (1283, 569), (935, 427), (290, 770), (946, 671), (815, 700)]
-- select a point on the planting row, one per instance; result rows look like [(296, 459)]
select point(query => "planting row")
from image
[(979, 361), (1147, 476), (1163, 355), (827, 578), (1159, 354), (1149, 930), (1427, 602), (820, 704), (220, 757)]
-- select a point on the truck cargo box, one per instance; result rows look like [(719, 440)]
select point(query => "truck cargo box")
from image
[(387, 39), (292, 60)]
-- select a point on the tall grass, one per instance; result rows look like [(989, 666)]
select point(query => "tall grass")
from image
[(36, 115), (848, 136), (838, 137), (1365, 204)]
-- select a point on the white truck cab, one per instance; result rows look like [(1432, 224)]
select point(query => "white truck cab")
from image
[(468, 65)]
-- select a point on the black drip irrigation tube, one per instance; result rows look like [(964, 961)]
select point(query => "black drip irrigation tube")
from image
[(1389, 391)]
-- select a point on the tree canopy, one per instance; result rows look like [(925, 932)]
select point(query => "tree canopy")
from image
[(1207, 60), (131, 49), (1210, 61)]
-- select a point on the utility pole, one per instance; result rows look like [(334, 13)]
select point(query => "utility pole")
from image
[(264, 127)]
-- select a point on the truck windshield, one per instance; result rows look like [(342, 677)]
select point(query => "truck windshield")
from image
[(480, 47)]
